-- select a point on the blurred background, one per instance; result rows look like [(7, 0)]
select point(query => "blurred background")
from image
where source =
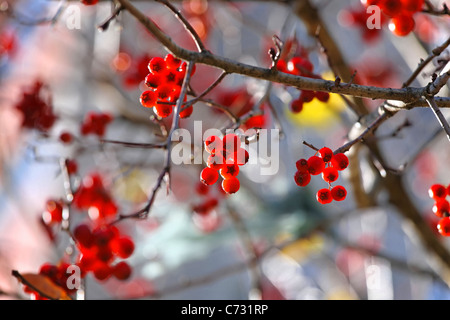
[(272, 239)]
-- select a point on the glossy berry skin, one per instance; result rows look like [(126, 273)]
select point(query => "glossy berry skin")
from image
[(122, 247), (231, 185), (229, 170), (148, 98), (444, 226), (162, 110), (437, 191), (339, 161), (402, 24), (240, 157), (213, 144), (326, 154), (324, 196), (231, 142), (156, 65), (83, 235), (209, 176), (315, 165), (441, 208), (215, 161), (302, 178), (122, 270), (330, 174), (302, 164), (338, 193)]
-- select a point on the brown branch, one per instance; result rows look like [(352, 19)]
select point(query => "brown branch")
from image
[(370, 129), (198, 41), (423, 63), (165, 173), (407, 95), (437, 112)]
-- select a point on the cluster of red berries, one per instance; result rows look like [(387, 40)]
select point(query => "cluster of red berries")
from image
[(94, 197), (57, 274), (165, 80), (358, 17), (441, 207), (328, 164), (225, 157), (37, 112), (301, 66), (400, 13), (100, 249), (94, 123)]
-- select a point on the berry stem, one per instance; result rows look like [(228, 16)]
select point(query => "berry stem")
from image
[(310, 145)]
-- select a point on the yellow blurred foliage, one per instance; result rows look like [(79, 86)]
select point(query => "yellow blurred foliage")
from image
[(129, 186), (302, 248), (317, 113)]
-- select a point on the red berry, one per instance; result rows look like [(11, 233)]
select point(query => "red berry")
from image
[(153, 80), (437, 191), (186, 112), (102, 236), (231, 142), (324, 196), (215, 161), (441, 208), (72, 166), (213, 144), (104, 254), (157, 65), (229, 170), (209, 176), (148, 98), (330, 174), (83, 235), (315, 165), (162, 110), (53, 212), (122, 270), (201, 188), (123, 247), (322, 96), (102, 271), (339, 161), (338, 193), (326, 154), (302, 164), (302, 178), (307, 95), (89, 2), (172, 62), (231, 185), (297, 105), (402, 24), (66, 137), (240, 157), (444, 226), (412, 5), (390, 7)]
